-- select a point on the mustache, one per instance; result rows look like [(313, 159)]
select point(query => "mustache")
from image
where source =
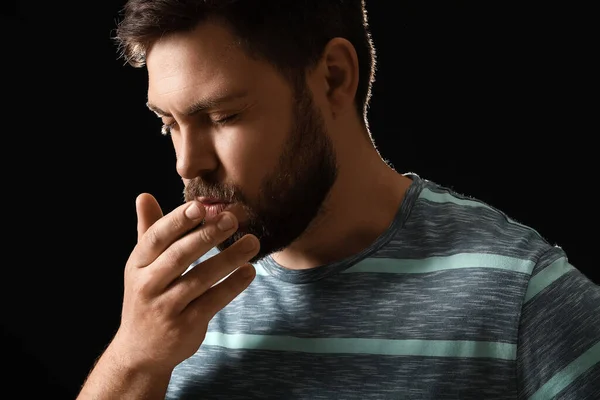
[(199, 188)]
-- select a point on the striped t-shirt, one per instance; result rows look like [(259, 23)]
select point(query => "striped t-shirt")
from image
[(454, 301)]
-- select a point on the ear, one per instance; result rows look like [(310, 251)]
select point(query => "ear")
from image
[(340, 64)]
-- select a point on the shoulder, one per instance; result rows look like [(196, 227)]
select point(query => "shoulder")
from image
[(444, 222)]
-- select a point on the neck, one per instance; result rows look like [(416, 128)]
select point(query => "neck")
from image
[(360, 207)]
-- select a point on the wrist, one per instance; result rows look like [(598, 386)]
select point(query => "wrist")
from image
[(115, 375), (131, 367)]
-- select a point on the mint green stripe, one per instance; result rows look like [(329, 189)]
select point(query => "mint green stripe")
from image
[(545, 277), (568, 374), (432, 264), (427, 194), (430, 348), (260, 270)]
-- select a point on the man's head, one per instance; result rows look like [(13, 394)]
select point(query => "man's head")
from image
[(249, 91)]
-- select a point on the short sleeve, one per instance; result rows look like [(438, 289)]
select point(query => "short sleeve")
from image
[(558, 355)]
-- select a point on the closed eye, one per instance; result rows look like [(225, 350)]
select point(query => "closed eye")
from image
[(226, 120), (165, 130)]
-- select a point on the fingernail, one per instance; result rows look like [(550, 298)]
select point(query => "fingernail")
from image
[(193, 212), (247, 245), (247, 272), (225, 223)]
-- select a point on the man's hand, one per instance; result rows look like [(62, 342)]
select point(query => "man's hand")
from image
[(166, 312), (165, 315)]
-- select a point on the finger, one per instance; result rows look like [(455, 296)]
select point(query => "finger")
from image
[(168, 229), (148, 212), (176, 259), (217, 297), (203, 276)]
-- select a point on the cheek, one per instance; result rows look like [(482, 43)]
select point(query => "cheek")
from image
[(248, 154)]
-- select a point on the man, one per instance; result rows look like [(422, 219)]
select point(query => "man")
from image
[(302, 266)]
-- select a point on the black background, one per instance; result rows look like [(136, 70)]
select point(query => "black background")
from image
[(497, 100)]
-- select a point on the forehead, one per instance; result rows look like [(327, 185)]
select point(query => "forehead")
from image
[(208, 58)]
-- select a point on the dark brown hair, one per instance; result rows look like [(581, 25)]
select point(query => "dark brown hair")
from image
[(289, 34)]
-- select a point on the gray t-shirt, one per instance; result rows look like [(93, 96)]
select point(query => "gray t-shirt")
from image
[(454, 301)]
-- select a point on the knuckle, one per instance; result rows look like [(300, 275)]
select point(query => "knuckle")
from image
[(161, 308), (141, 285), (208, 234), (181, 288), (179, 303), (178, 222), (175, 255), (197, 315), (181, 293), (139, 288), (153, 237)]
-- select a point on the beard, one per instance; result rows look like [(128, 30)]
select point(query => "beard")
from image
[(292, 196)]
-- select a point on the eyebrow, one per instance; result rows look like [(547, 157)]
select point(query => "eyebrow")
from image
[(202, 104)]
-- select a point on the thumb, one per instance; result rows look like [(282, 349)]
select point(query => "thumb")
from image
[(148, 212)]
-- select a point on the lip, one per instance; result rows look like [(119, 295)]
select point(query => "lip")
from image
[(214, 209), (210, 200)]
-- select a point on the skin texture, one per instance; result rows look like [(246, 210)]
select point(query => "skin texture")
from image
[(289, 158), (305, 178), (166, 312)]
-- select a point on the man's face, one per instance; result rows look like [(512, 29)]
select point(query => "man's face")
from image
[(264, 149)]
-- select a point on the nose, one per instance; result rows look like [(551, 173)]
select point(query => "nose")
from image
[(195, 154)]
